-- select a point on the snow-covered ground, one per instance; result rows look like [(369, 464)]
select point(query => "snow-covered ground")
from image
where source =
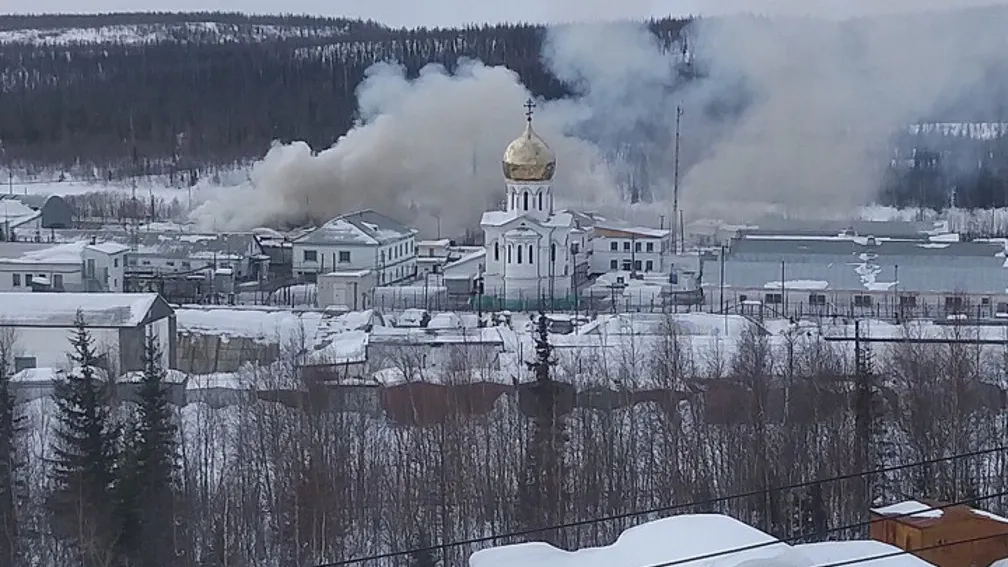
[(679, 539), (208, 32)]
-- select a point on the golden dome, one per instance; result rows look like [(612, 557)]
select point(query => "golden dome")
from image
[(529, 158)]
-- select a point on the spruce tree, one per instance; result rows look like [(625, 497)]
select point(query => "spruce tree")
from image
[(11, 425), (541, 496), (147, 485), (83, 466)]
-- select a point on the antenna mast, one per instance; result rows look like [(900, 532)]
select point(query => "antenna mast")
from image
[(675, 184)]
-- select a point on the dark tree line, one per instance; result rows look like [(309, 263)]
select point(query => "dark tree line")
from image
[(216, 101)]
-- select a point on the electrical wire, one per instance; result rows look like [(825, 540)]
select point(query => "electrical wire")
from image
[(663, 509)]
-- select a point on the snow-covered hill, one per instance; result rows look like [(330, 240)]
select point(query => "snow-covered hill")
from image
[(186, 32)]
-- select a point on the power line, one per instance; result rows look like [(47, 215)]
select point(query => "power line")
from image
[(793, 539), (662, 509)]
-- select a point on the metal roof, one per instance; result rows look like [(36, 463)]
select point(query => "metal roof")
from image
[(835, 264)]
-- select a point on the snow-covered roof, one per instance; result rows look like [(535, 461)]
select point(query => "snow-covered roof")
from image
[(265, 325), (70, 253), (640, 231), (109, 247), (909, 508), (830, 552), (14, 213), (60, 309), (366, 227), (663, 541)]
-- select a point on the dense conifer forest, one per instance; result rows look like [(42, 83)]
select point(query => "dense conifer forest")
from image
[(230, 89), (148, 93)]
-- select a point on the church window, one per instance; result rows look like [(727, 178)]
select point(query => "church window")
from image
[(496, 251), (509, 254), (552, 252), (531, 261), (540, 201), (520, 248), (565, 269), (526, 195)]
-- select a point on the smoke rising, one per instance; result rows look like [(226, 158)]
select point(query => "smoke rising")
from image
[(791, 115)]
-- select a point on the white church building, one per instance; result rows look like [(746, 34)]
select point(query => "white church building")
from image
[(531, 250)]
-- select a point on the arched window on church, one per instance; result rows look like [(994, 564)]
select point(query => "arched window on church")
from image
[(520, 247), (540, 201), (496, 251), (526, 200), (531, 261), (553, 252), (509, 254)]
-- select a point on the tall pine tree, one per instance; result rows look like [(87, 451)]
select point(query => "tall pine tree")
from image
[(147, 486), (83, 466), (10, 425)]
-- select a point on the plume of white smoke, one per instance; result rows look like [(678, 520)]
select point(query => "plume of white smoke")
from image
[(828, 95), (793, 115), (426, 149)]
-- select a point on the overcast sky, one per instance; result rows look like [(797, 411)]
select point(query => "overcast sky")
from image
[(456, 12)]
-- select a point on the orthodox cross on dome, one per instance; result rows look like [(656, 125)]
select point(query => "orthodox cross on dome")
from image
[(529, 105)]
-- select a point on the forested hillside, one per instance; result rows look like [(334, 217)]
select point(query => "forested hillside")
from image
[(216, 87), (119, 95)]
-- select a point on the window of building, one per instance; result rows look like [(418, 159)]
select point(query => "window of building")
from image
[(525, 206), (565, 269), (626, 246), (614, 246), (637, 265), (57, 281), (520, 248), (496, 251), (650, 246), (626, 265), (382, 256), (115, 262), (344, 256), (552, 252), (509, 254), (817, 299), (28, 279), (24, 363), (309, 256), (531, 260), (649, 266), (954, 303), (637, 246), (574, 248), (773, 298), (16, 280), (862, 301), (170, 262), (613, 264), (540, 201)]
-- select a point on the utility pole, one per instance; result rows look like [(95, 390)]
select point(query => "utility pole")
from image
[(675, 182)]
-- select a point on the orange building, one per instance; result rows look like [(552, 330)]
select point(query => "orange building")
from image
[(932, 534)]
